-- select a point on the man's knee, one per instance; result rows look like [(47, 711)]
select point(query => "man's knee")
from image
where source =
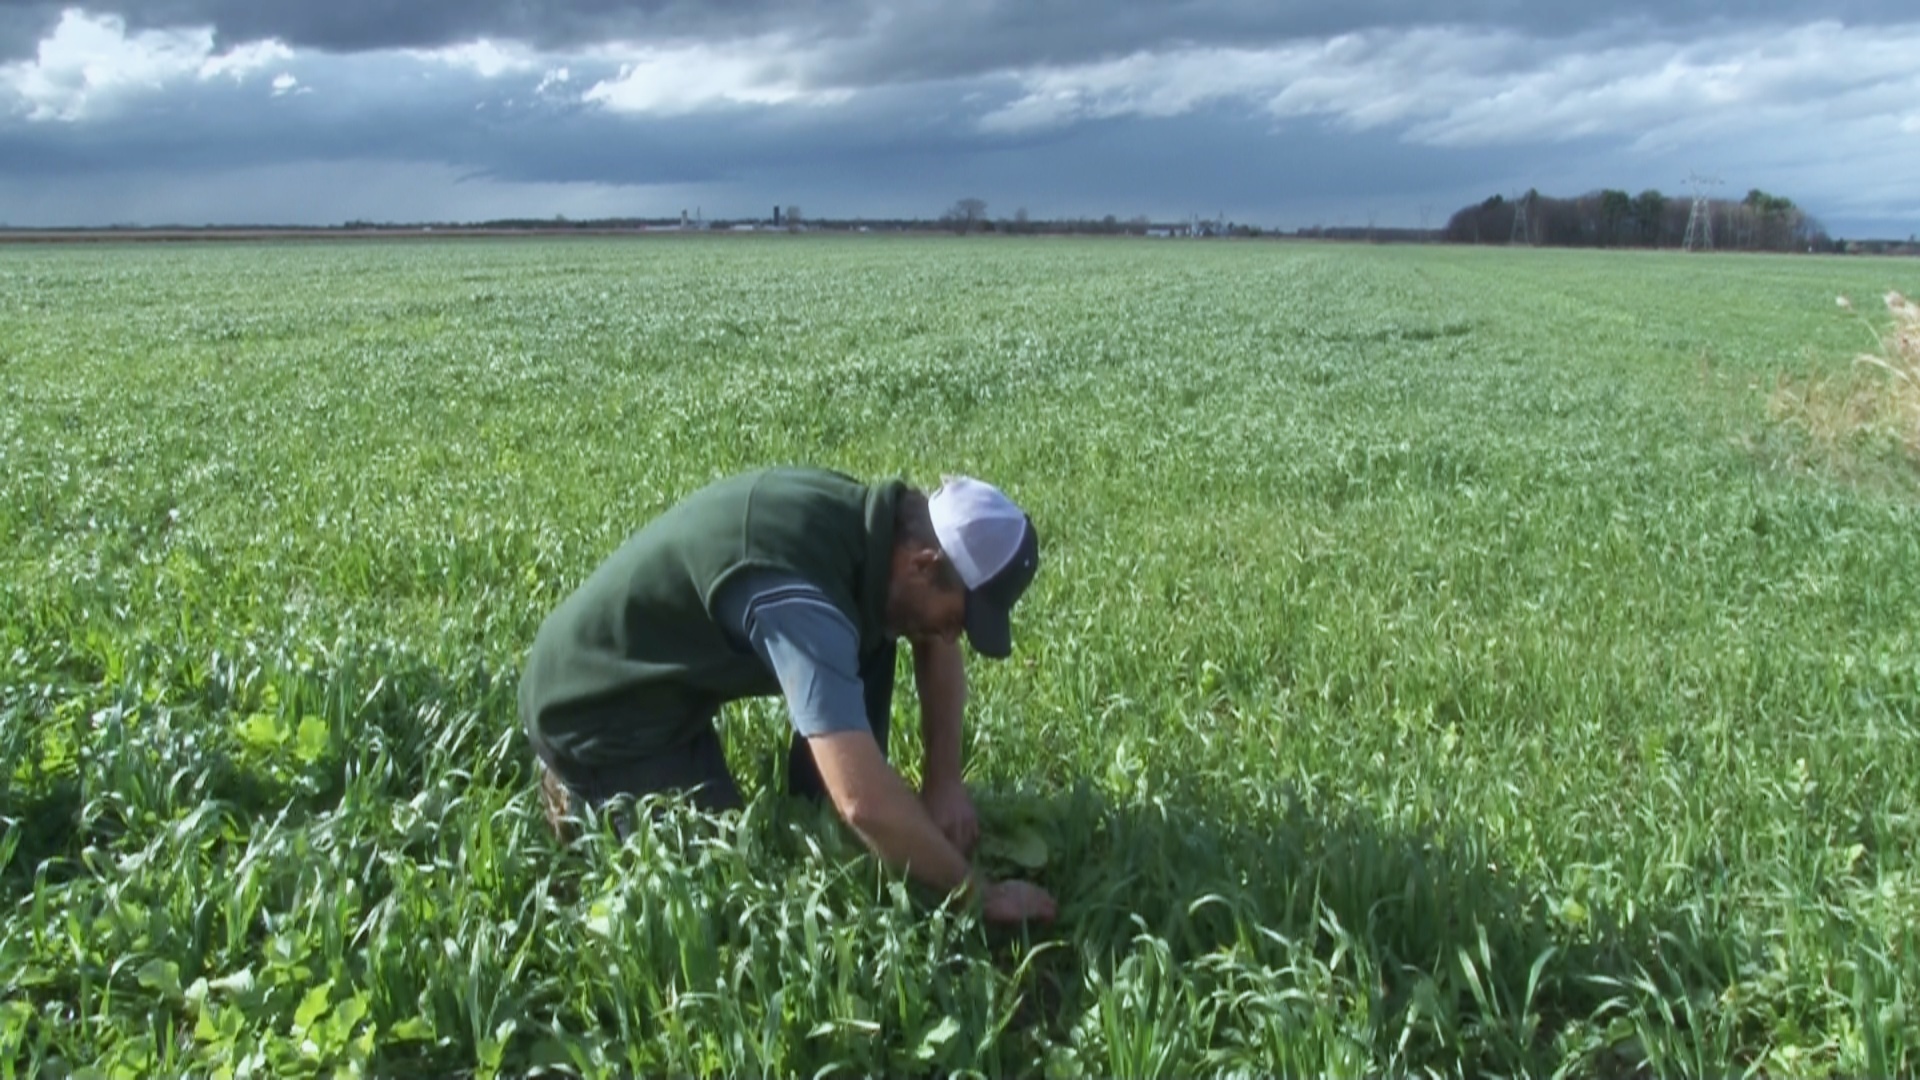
[(695, 771)]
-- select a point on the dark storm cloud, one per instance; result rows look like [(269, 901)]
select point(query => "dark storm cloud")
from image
[(1201, 163), (363, 25), (926, 40), (497, 128), (23, 25), (911, 148), (869, 159), (878, 41)]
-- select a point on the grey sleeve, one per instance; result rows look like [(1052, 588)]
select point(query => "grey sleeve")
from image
[(810, 646)]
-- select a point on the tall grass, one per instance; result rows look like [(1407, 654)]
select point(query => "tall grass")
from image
[(1900, 359), (1876, 403)]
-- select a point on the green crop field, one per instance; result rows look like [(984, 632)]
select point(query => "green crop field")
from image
[(1440, 662)]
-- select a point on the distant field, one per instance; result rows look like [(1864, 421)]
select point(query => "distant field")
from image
[(1439, 663)]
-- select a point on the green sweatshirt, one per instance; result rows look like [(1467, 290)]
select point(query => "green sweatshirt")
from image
[(634, 661)]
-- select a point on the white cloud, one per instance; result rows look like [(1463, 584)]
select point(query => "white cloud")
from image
[(675, 81), (1457, 87), (555, 78), (1817, 77), (89, 63), (284, 83), (243, 60), (1144, 84), (488, 59)]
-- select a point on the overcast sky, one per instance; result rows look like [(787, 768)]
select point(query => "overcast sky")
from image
[(1280, 113)]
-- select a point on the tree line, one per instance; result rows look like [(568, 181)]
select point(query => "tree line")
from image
[(1611, 218), (969, 215)]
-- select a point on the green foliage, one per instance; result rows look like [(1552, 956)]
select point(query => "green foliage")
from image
[(1425, 676)]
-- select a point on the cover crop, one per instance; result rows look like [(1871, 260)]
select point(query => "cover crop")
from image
[(1434, 669)]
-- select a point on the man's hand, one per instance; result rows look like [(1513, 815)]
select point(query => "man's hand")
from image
[(952, 810), (1017, 901)]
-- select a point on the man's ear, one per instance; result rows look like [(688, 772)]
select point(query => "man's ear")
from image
[(926, 561)]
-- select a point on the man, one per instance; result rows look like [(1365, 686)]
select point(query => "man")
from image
[(794, 581)]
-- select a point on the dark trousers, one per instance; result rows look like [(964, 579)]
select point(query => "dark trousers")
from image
[(698, 768)]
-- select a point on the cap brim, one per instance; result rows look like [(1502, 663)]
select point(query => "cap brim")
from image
[(990, 607), (989, 628)]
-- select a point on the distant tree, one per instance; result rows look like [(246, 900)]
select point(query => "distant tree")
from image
[(1612, 217), (1583, 220), (1813, 236), (1481, 224), (1021, 223), (1771, 222), (1496, 219), (966, 215), (1616, 210), (1650, 211)]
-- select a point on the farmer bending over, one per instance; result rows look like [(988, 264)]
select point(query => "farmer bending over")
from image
[(794, 581)]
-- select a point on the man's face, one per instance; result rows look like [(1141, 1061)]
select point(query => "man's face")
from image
[(925, 601)]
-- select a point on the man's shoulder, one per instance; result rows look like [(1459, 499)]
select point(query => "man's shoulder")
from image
[(755, 590), (757, 584), (804, 481), (760, 606)]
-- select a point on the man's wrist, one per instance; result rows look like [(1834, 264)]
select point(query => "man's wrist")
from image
[(973, 889), (937, 779)]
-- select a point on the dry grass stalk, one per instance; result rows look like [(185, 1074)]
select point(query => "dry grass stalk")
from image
[(1837, 410), (1900, 358), (557, 802)]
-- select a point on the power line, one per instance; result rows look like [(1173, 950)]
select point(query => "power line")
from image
[(1700, 221)]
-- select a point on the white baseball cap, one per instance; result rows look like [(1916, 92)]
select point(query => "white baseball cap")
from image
[(991, 542)]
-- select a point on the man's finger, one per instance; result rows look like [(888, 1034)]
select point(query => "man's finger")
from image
[(958, 832)]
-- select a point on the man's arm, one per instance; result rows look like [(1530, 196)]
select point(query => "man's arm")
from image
[(811, 649), (940, 677), (872, 799), (876, 803)]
